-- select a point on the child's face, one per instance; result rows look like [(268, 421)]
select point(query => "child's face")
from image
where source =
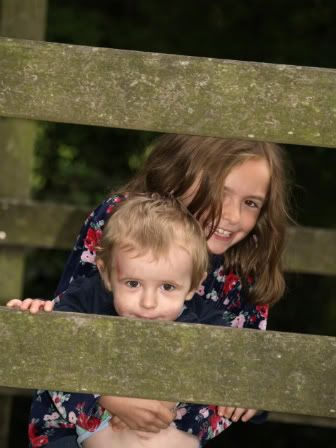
[(246, 188), (151, 289)]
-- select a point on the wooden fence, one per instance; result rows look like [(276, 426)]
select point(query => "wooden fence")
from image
[(281, 372)]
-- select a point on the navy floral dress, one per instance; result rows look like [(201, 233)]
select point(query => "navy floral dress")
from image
[(55, 414)]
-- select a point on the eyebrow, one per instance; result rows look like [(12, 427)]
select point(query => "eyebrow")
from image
[(253, 196), (171, 282)]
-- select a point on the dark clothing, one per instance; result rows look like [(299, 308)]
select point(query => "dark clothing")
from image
[(220, 301)]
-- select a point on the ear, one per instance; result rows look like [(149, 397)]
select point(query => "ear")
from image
[(104, 274), (192, 291)]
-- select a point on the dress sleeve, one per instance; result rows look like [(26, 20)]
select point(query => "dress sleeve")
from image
[(82, 260)]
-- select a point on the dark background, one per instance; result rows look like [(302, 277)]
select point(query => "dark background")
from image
[(81, 164)]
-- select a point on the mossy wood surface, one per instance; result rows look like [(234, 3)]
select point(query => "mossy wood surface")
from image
[(24, 19), (283, 372), (162, 92), (24, 223)]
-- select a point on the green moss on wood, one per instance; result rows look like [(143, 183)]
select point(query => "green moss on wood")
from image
[(283, 372), (150, 91)]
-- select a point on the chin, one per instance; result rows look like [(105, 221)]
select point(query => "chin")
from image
[(217, 248)]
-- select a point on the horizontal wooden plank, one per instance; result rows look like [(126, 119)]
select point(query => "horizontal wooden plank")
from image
[(306, 420), (48, 225), (39, 224), (167, 93), (311, 250), (282, 372)]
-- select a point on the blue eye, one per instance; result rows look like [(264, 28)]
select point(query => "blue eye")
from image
[(133, 283), (168, 287)]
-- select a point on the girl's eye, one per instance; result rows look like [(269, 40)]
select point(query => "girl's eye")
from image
[(251, 204), (133, 283), (168, 287)]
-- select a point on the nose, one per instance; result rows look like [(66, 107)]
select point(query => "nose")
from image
[(231, 210), (148, 300)]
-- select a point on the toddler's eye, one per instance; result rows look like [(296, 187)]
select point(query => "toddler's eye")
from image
[(168, 287), (133, 283)]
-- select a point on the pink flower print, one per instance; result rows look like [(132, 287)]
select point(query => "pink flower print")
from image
[(88, 257), (92, 238), (72, 417), (262, 310), (212, 296), (230, 282), (180, 412), (88, 423), (238, 322), (219, 274), (262, 324), (204, 412), (35, 440), (201, 290)]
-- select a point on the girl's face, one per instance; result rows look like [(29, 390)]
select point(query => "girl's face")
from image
[(149, 288), (245, 191)]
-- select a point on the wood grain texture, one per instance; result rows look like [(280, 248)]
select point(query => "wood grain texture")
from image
[(167, 93), (283, 372)]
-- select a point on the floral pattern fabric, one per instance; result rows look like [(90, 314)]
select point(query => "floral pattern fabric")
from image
[(56, 414)]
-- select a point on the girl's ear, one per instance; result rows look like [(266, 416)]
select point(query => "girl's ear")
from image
[(103, 274), (192, 291)]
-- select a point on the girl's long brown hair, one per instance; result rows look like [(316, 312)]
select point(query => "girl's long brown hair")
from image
[(178, 162)]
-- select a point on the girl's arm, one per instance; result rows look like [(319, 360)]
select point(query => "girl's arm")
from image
[(139, 414)]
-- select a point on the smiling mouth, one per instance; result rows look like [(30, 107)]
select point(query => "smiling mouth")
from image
[(223, 233)]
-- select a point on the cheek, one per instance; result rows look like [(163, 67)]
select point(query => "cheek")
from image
[(250, 221)]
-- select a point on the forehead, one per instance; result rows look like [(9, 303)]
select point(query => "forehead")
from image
[(251, 177), (177, 261)]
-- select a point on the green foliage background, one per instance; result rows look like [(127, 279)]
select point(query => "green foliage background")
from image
[(81, 164)]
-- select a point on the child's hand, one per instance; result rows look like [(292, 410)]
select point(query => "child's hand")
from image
[(31, 305), (139, 414), (235, 414)]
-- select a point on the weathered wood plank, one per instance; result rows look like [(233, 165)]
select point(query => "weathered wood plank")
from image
[(162, 92), (311, 250), (39, 224), (282, 372), (48, 225), (24, 19)]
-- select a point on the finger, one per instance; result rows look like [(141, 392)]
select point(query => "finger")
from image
[(36, 306), (237, 413), (221, 410), (48, 306), (249, 414), (151, 429), (14, 303), (166, 416), (26, 304), (228, 411)]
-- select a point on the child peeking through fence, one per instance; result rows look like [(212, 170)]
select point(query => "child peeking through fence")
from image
[(236, 190), (151, 259)]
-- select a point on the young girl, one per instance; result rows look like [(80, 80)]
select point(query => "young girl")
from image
[(237, 191)]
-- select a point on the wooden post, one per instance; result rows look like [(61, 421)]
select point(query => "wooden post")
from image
[(24, 19), (18, 19)]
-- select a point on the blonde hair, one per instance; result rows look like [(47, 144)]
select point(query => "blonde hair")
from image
[(153, 224), (177, 162)]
